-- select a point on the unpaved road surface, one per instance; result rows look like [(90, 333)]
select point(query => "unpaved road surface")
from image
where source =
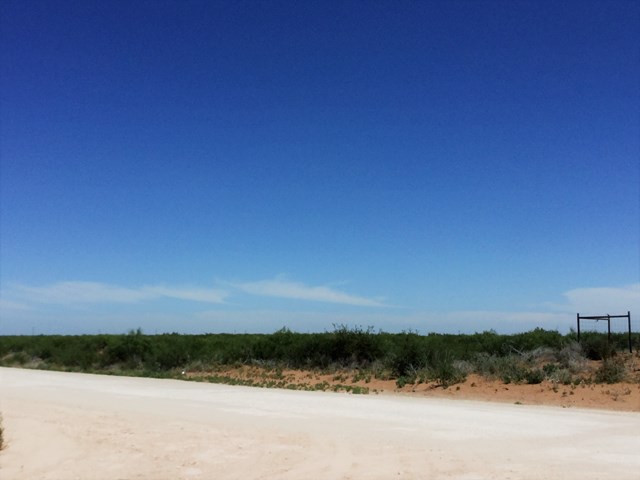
[(77, 426)]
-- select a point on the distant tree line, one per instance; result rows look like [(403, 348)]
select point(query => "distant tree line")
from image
[(402, 355)]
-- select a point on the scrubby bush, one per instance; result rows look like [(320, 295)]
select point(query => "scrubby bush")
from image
[(355, 346), (535, 339), (513, 371), (534, 376), (611, 371), (596, 346), (507, 368), (571, 356), (510, 369), (445, 371), (131, 350), (409, 357)]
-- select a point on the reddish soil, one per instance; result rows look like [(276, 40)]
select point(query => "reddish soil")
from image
[(618, 396)]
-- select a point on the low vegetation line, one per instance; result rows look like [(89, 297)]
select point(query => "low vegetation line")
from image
[(353, 355)]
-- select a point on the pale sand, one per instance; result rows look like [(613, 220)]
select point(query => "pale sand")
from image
[(77, 426)]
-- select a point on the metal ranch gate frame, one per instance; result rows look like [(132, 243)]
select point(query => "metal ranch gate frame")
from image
[(608, 319)]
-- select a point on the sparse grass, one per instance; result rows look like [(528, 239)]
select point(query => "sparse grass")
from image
[(361, 375)]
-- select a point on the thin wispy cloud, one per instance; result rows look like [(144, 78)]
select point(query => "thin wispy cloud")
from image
[(9, 305), (283, 288), (193, 294), (84, 292), (79, 292), (600, 300)]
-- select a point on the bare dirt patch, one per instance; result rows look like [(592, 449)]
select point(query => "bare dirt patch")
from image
[(622, 396)]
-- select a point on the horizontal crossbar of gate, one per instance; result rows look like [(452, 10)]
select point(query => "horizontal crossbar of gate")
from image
[(608, 319)]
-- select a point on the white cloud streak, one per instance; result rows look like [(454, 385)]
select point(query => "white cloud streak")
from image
[(83, 292), (94, 292), (601, 300), (12, 306), (282, 288)]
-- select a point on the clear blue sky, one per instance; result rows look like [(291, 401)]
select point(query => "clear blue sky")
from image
[(233, 166)]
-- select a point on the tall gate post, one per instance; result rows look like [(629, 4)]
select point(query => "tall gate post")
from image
[(608, 318), (629, 321)]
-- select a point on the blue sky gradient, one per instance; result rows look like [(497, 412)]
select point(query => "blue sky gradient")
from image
[(198, 166)]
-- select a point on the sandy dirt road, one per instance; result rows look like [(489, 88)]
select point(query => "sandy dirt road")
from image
[(77, 426)]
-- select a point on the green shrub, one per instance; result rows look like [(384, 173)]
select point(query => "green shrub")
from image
[(509, 369), (561, 375), (131, 350), (611, 371), (535, 339), (403, 380), (408, 355), (445, 372), (354, 346), (357, 390), (534, 376), (19, 357), (596, 346), (487, 365)]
